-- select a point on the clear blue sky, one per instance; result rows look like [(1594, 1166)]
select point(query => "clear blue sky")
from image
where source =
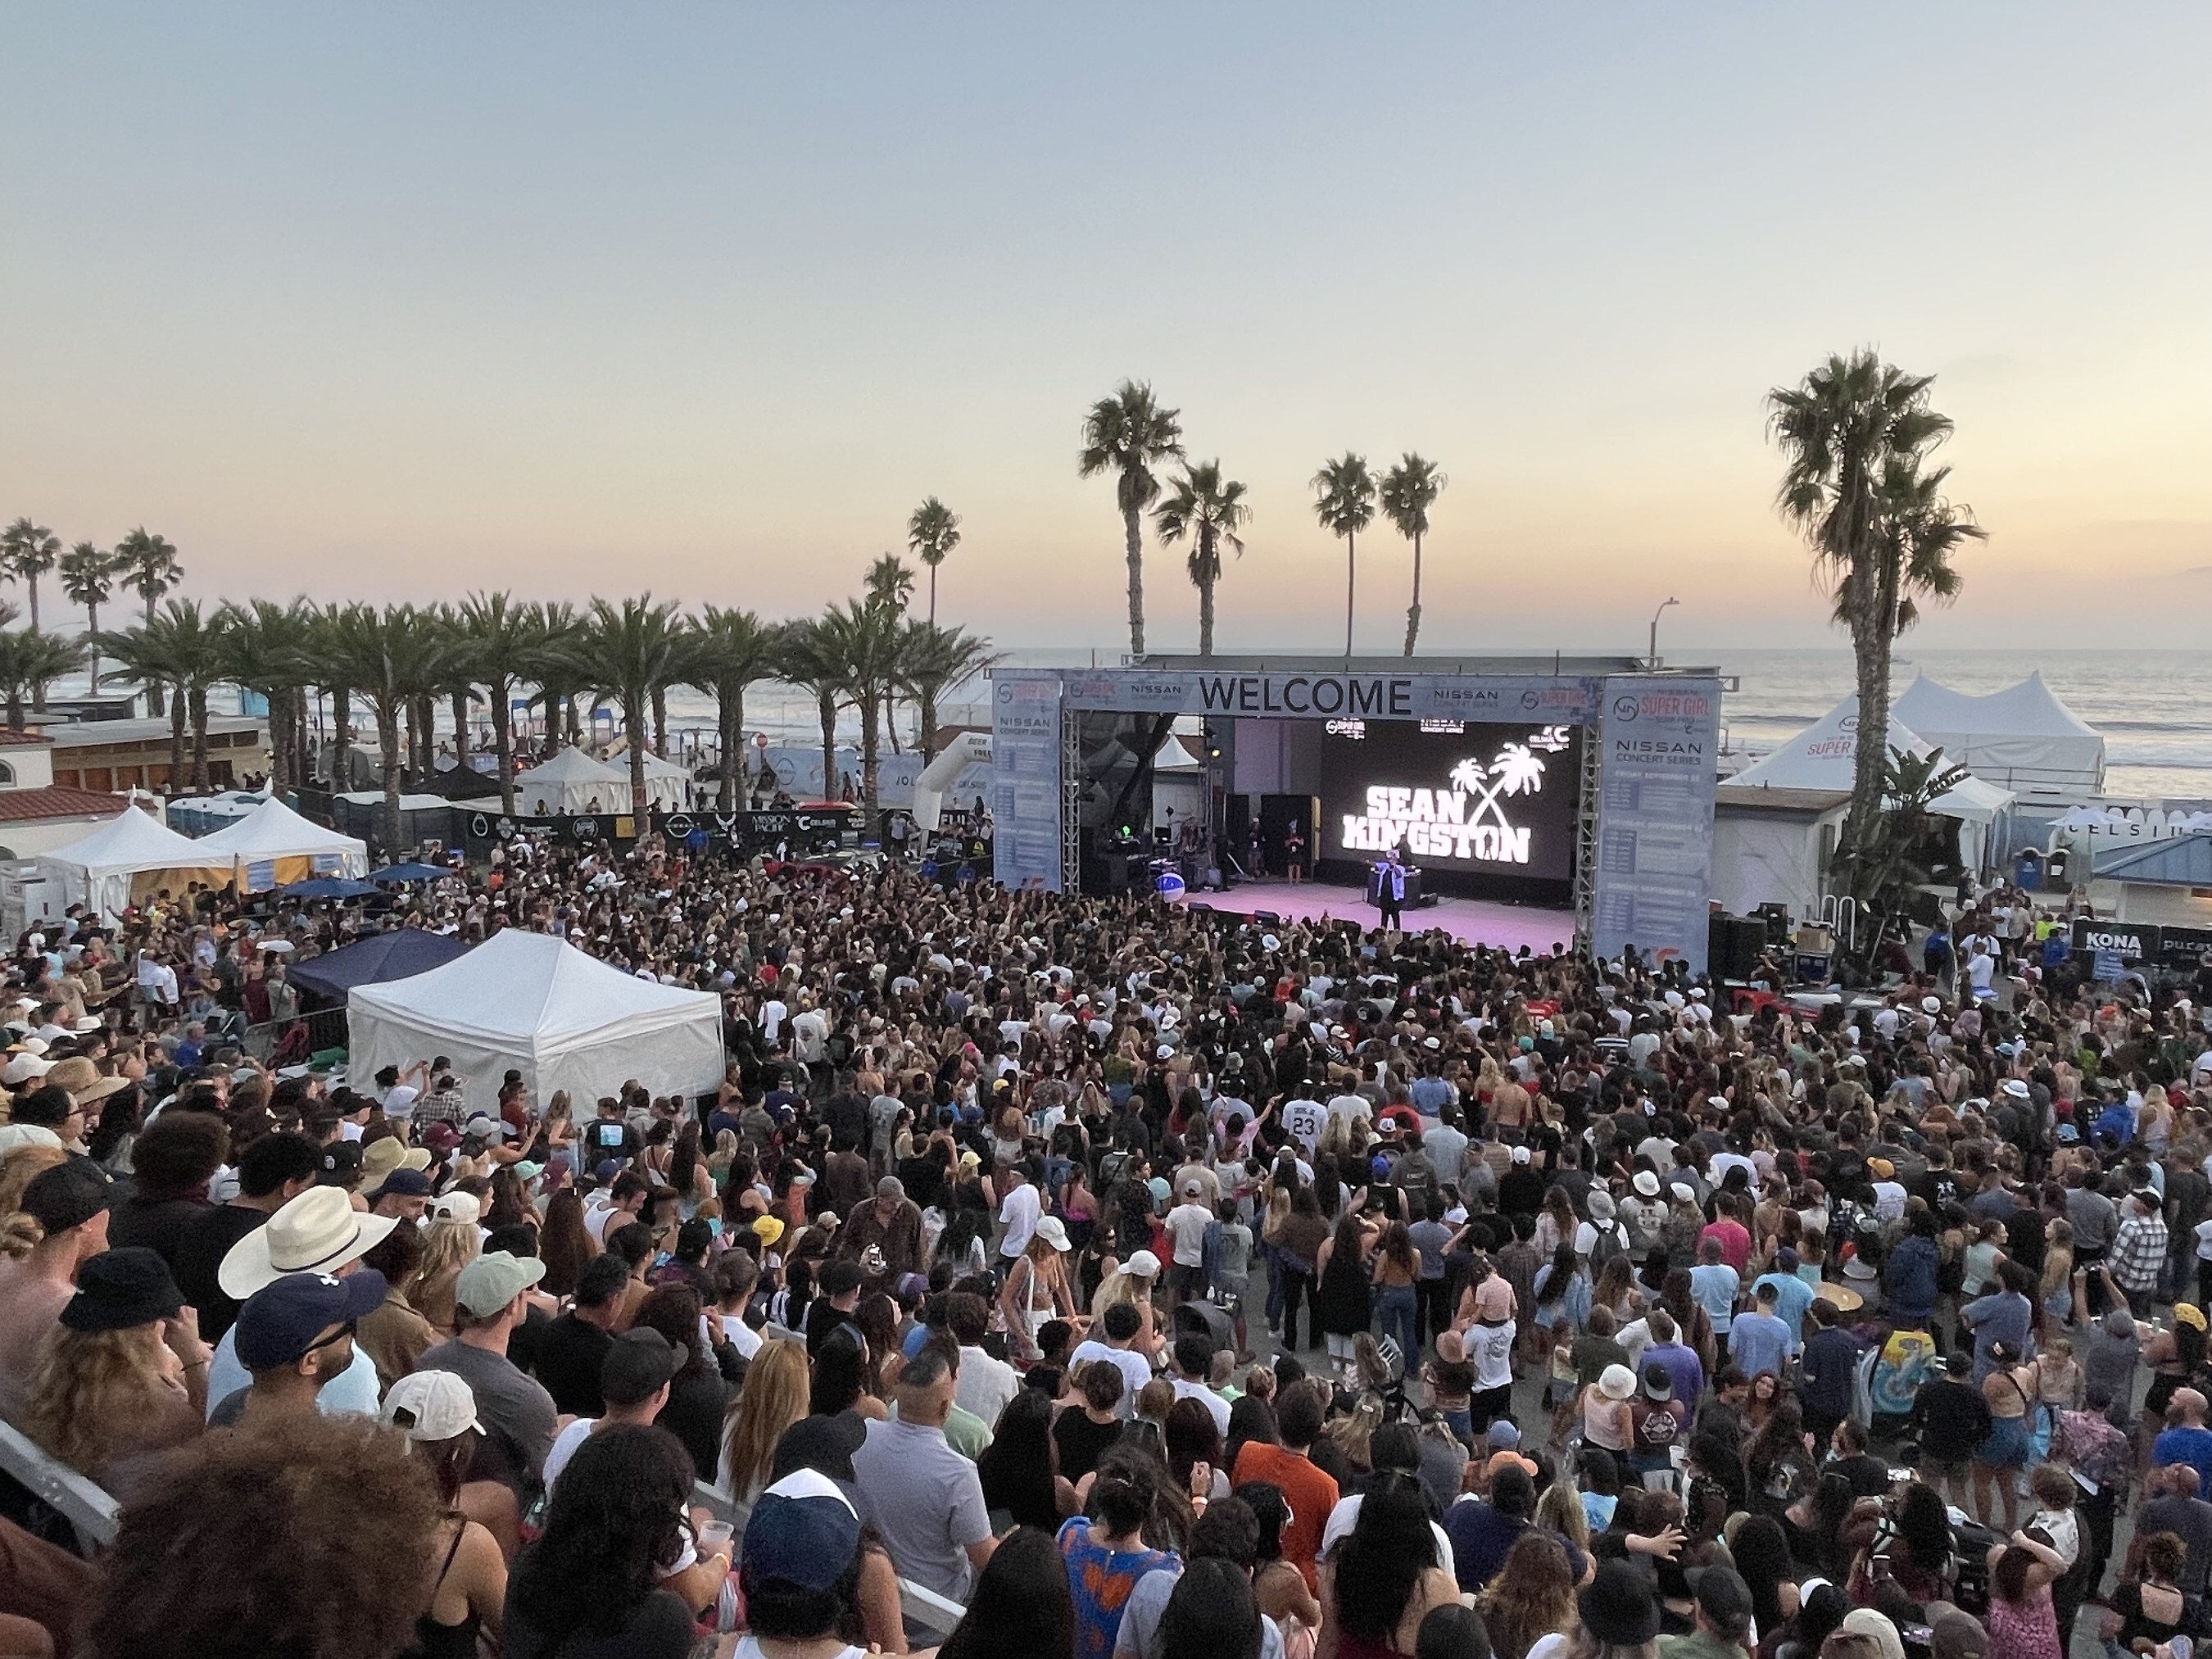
[(395, 301)]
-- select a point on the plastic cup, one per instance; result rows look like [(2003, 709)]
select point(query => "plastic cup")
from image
[(714, 1538)]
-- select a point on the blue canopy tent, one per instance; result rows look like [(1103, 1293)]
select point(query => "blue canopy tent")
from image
[(394, 874), (399, 954), (327, 887)]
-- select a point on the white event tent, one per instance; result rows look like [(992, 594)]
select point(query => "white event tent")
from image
[(274, 847), (1820, 757), (534, 1003), (129, 858), (572, 781), (2022, 738), (667, 785)]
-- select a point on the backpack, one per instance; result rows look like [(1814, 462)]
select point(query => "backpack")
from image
[(1612, 1241)]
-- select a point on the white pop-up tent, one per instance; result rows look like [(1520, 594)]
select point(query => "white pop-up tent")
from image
[(2022, 738), (1820, 757), (129, 858), (572, 781), (534, 1003), (667, 785), (274, 847)]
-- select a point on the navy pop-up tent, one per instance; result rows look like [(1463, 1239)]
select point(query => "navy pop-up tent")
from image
[(395, 955)]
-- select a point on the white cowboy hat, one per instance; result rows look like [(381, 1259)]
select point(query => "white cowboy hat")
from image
[(320, 1231)]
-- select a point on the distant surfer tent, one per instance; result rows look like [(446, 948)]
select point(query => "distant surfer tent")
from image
[(128, 860), (275, 847), (2022, 738), (1777, 822)]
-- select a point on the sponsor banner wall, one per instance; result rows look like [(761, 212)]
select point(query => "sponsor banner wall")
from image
[(1026, 780), (1661, 740), (1572, 699)]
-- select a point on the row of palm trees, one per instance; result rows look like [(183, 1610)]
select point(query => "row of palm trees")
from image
[(402, 660), (1131, 436), (142, 564)]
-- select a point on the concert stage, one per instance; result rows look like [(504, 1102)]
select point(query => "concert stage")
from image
[(1472, 921)]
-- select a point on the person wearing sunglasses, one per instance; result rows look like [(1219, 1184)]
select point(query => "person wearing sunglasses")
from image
[(294, 1335)]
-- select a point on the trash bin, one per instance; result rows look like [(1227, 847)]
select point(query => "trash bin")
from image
[(2028, 870)]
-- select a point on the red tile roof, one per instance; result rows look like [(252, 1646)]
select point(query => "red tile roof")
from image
[(16, 738), (23, 806)]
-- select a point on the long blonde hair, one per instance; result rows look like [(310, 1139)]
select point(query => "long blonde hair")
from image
[(773, 1398), (89, 1392), (447, 1247), (1524, 1604), (19, 1234)]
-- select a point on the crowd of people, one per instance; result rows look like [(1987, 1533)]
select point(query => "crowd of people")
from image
[(1074, 1277)]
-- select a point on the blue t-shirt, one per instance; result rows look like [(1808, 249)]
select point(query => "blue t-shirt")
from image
[(2185, 1445), (2001, 1317), (1714, 1285), (1101, 1581), (1793, 1296), (1758, 1342)]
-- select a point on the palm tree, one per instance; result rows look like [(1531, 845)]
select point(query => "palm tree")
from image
[(1409, 490), (1128, 435), (185, 651), (932, 661), (265, 650), (633, 650), (890, 582), (806, 656), (731, 649), (1209, 509), (148, 564), (88, 577), (932, 532), (558, 647), (392, 657), (863, 640), (1344, 502), (499, 648), (28, 551), (151, 655), (1853, 434), (29, 658), (326, 626)]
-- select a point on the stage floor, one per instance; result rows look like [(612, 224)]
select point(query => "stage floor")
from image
[(1472, 921)]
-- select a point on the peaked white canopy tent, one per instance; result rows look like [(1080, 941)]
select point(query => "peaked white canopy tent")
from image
[(537, 1005), (274, 847), (131, 858), (572, 781), (2022, 738), (1820, 757), (667, 785)]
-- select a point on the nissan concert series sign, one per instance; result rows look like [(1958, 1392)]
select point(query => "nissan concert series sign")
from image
[(1499, 798)]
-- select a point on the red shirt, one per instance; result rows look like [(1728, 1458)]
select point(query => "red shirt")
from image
[(1311, 1491), (1736, 1242)]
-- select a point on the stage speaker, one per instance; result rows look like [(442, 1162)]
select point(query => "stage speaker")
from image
[(1125, 870), (1776, 916), (1733, 944)]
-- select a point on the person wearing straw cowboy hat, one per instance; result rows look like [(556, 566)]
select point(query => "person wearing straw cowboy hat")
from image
[(318, 1232)]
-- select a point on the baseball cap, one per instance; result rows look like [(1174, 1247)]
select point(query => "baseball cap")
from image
[(404, 1183), (431, 1406), (638, 1364), (1723, 1598), (803, 1532), (279, 1323), (494, 1279), (65, 1196), (1502, 1460)]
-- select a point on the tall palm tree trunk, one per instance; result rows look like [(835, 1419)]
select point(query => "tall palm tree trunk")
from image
[(502, 743), (91, 632), (732, 708), (633, 727), (176, 737), (1133, 532), (868, 755), (660, 721), (826, 705), (153, 687), (14, 708), (1351, 583), (199, 736), (1413, 611), (933, 596), (387, 739), (461, 729), (341, 739), (1871, 654)]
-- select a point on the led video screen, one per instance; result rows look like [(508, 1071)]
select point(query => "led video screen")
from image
[(1479, 801)]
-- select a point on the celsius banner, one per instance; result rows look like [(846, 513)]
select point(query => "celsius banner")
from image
[(1481, 800), (1655, 856), (1026, 780)]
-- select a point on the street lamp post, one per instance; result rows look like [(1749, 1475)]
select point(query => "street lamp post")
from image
[(1651, 660)]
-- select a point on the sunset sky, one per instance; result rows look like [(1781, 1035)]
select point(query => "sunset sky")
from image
[(393, 301)]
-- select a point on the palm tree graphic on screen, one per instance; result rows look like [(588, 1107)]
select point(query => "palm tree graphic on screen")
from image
[(1517, 771)]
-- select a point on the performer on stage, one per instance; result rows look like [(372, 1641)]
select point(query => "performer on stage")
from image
[(1390, 889), (1294, 854)]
